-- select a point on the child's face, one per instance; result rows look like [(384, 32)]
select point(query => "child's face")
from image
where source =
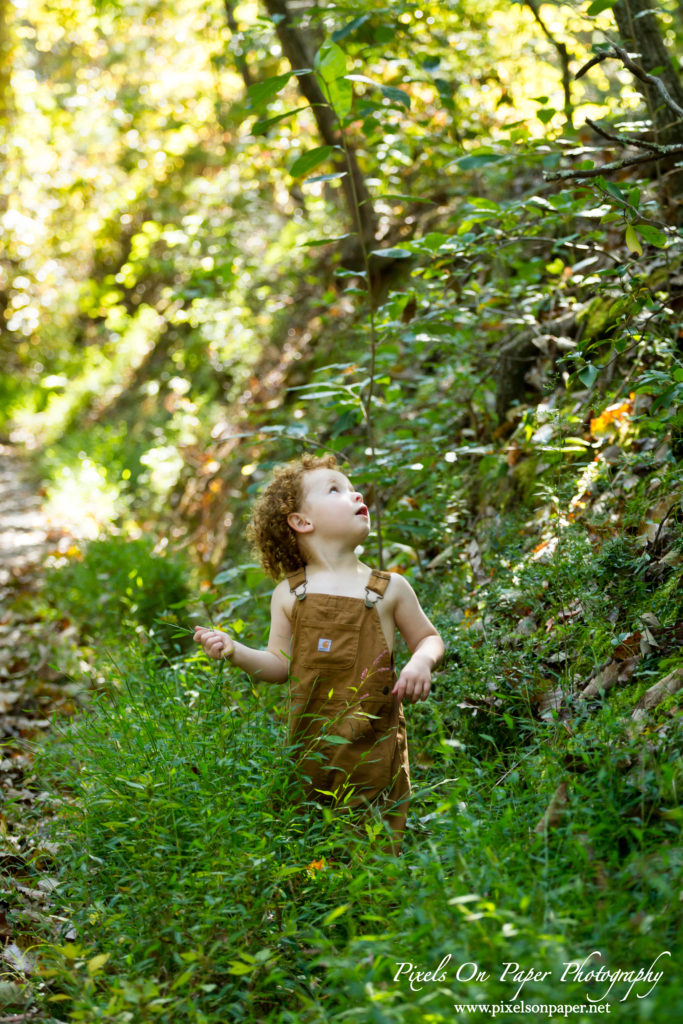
[(332, 505)]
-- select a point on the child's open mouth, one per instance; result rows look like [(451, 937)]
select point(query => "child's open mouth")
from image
[(362, 511)]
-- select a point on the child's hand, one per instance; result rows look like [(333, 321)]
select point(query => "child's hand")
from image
[(215, 643), (414, 682)]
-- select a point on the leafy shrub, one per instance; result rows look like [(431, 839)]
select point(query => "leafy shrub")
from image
[(118, 579)]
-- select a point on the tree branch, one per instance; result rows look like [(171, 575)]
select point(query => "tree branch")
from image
[(644, 76), (625, 140), (619, 53), (617, 165)]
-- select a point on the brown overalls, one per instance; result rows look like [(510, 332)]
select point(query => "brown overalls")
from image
[(348, 726)]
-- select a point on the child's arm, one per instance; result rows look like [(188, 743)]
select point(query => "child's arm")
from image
[(414, 682), (271, 665)]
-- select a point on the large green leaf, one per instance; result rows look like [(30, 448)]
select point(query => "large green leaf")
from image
[(262, 126), (330, 64), (589, 375), (598, 6), (652, 235), (258, 93), (307, 161), (330, 61)]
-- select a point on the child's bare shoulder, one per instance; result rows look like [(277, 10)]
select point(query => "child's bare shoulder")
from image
[(398, 586), (283, 599), (401, 598)]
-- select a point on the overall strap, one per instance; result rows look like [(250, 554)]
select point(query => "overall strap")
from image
[(378, 583), (298, 582)]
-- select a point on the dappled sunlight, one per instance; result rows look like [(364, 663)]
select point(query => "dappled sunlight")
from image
[(81, 497)]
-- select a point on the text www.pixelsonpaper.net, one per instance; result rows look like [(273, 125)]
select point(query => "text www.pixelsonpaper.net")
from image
[(549, 1010)]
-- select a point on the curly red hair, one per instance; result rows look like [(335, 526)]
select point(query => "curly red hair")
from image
[(272, 538)]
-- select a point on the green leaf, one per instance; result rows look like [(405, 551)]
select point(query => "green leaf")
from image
[(391, 93), (384, 34), (307, 161), (324, 241), (598, 6), (262, 91), (261, 127), (330, 63), (546, 114), (403, 198), (588, 375), (334, 914), (652, 235), (614, 190), (350, 27), (482, 203), (396, 95), (335, 739), (237, 967), (632, 240), (634, 197), (318, 394), (96, 963), (392, 253), (473, 160), (341, 96)]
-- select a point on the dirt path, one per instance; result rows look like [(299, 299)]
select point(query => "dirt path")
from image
[(37, 656), (28, 637), (26, 534)]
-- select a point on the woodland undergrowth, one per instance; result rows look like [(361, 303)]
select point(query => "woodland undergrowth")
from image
[(516, 348), (546, 768)]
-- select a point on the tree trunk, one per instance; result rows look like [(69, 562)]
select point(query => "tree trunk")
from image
[(297, 51), (640, 33)]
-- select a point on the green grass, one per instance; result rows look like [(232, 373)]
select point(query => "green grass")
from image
[(185, 869), (194, 887)]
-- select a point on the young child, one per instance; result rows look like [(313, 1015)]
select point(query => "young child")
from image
[(332, 629)]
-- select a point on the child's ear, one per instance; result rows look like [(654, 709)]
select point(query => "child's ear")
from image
[(299, 522)]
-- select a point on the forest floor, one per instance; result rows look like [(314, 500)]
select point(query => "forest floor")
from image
[(33, 690)]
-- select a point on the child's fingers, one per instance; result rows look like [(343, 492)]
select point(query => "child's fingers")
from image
[(214, 643), (412, 689)]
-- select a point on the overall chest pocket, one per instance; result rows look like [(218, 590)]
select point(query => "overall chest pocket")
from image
[(327, 647)]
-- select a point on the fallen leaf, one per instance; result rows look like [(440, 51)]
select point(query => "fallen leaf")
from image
[(549, 701), (666, 687), (544, 551), (628, 648), (604, 680), (19, 960), (613, 418)]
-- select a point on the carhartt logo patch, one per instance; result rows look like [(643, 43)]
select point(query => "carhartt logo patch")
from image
[(324, 645)]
